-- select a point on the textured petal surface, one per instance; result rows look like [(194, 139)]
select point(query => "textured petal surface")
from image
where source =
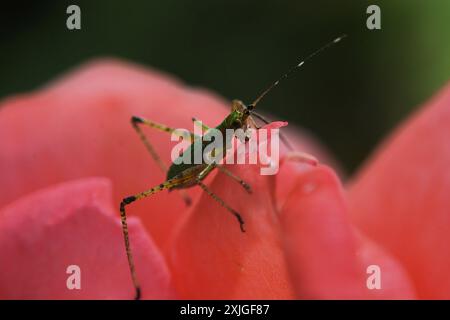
[(401, 198), (80, 127), (42, 234), (211, 258), (326, 257)]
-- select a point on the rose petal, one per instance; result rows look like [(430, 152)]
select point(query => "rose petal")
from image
[(401, 198), (395, 282), (318, 239), (325, 258), (212, 259), (80, 127), (74, 224)]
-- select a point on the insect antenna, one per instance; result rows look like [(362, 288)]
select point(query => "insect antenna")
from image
[(282, 137), (294, 68)]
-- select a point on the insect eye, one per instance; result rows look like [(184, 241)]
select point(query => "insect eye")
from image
[(246, 112)]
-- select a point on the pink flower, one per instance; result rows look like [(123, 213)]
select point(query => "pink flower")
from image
[(69, 155)]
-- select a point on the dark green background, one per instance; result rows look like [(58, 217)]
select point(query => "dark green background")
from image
[(350, 97)]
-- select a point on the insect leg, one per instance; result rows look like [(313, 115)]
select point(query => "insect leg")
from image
[(136, 121), (236, 178), (282, 137), (126, 201), (200, 177), (200, 124), (223, 204)]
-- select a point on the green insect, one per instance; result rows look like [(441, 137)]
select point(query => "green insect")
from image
[(181, 176)]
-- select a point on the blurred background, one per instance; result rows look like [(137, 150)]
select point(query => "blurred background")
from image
[(350, 96)]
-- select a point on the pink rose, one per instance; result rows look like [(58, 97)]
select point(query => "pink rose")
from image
[(69, 155)]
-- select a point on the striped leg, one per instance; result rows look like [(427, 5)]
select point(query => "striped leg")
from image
[(126, 201), (200, 124), (200, 177), (136, 121), (236, 178)]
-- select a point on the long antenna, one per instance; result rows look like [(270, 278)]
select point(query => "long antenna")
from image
[(294, 68), (282, 137)]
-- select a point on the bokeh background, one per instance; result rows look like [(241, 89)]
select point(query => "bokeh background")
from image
[(350, 97)]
